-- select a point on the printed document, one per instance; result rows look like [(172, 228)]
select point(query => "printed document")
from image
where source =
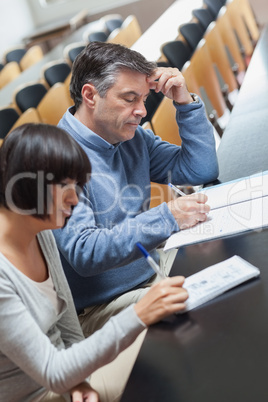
[(217, 279)]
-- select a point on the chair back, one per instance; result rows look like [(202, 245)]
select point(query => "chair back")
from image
[(164, 122), (225, 28), (190, 78), (31, 57), (238, 24), (152, 102), (249, 19), (177, 53), (192, 33), (203, 16), (127, 34), (8, 117), (159, 192), (111, 22), (29, 95), (72, 50), (193, 86), (203, 70), (132, 28), (97, 36), (14, 54), (214, 6), (29, 116), (219, 56), (55, 71), (54, 104), (9, 72)]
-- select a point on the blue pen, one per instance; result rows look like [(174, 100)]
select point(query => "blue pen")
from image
[(151, 261), (177, 190)]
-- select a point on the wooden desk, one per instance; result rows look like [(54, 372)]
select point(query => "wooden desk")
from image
[(218, 352)]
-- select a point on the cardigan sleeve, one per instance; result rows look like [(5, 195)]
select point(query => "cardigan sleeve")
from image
[(24, 343)]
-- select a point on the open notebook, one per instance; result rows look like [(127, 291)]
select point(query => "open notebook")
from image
[(236, 207), (217, 279)]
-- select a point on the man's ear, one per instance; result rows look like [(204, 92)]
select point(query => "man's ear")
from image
[(88, 94)]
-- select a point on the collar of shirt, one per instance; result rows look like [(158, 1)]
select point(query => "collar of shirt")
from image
[(84, 134)]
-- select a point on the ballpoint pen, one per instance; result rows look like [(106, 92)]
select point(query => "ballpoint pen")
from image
[(177, 190), (151, 261)]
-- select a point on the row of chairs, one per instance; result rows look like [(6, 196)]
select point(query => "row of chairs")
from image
[(126, 34), (213, 67), (108, 24), (17, 60), (47, 106), (116, 30), (208, 54), (59, 71), (35, 94)]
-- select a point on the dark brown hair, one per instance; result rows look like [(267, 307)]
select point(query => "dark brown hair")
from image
[(34, 156)]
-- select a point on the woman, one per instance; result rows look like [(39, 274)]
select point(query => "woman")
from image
[(42, 348)]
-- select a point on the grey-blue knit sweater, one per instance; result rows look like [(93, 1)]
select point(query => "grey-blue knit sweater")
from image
[(97, 246)]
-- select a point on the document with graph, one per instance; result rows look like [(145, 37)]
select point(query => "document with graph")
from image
[(236, 207), (217, 279)]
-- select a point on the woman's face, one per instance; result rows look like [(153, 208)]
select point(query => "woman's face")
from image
[(64, 198)]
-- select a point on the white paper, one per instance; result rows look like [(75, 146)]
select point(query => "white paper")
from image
[(217, 279), (224, 221), (233, 192), (236, 207)]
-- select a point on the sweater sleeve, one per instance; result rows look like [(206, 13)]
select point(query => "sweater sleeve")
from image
[(110, 245), (27, 346), (90, 249), (195, 161)]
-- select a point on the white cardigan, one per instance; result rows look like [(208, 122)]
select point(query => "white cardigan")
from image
[(41, 351)]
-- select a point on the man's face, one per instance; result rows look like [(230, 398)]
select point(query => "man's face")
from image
[(118, 114)]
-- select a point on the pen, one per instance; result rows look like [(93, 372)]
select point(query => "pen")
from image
[(177, 190), (150, 261)]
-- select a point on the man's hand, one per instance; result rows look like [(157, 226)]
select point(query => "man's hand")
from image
[(189, 210), (171, 83)]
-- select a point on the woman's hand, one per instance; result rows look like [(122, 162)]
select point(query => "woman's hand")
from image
[(83, 392), (164, 298)]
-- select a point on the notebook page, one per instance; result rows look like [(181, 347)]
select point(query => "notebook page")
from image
[(224, 221), (217, 279), (237, 191)]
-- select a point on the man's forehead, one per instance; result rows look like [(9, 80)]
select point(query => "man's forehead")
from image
[(131, 81)]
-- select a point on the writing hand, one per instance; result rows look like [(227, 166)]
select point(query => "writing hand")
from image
[(164, 298), (189, 210)]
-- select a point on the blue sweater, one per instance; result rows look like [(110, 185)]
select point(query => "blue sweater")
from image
[(97, 246)]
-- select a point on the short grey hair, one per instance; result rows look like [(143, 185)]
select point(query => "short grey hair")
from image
[(100, 63)]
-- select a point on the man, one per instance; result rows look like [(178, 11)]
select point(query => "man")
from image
[(110, 84)]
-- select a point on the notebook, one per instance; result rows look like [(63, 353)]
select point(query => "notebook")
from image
[(236, 206)]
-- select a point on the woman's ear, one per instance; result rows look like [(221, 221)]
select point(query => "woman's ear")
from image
[(88, 94)]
